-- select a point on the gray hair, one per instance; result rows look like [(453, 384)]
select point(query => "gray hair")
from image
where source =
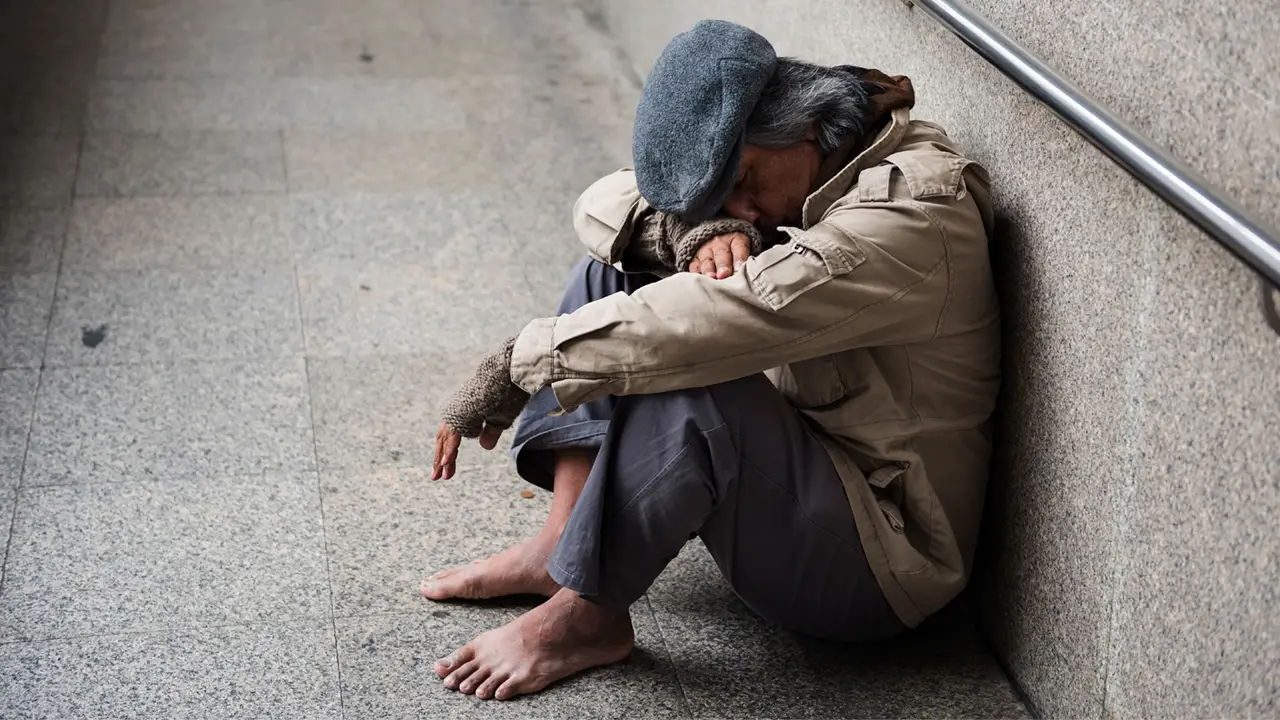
[(801, 97)]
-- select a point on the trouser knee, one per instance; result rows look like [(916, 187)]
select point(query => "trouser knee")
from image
[(592, 280)]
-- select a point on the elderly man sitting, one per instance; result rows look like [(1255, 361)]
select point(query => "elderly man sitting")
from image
[(785, 343)]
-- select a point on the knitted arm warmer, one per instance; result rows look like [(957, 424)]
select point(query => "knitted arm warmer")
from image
[(487, 398), (665, 241)]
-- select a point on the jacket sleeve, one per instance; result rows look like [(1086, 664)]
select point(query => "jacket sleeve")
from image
[(869, 274), (605, 216)]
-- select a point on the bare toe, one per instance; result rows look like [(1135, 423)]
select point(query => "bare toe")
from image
[(485, 691), (457, 676), (507, 690), (446, 665), (442, 574), (469, 685)]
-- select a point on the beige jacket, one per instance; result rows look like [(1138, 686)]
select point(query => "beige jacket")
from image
[(878, 320)]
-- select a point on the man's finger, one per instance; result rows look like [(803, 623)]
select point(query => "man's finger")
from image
[(723, 258), (435, 462), (447, 442), (709, 268), (489, 437), (741, 248), (451, 443), (695, 267)]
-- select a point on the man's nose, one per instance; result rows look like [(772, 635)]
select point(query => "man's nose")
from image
[(740, 207)]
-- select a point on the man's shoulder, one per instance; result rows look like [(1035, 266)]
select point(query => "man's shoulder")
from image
[(924, 184), (932, 165), (927, 136), (927, 167)]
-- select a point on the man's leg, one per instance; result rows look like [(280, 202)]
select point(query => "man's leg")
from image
[(520, 569), (737, 465), (733, 463), (555, 453)]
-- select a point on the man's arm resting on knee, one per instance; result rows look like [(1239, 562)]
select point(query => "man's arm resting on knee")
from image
[(871, 274)]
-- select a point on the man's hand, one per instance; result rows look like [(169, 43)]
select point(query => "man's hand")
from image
[(484, 406), (447, 444), (721, 256)]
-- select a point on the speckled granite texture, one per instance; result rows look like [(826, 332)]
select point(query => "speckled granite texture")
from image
[(240, 249)]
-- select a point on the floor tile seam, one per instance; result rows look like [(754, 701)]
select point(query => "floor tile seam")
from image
[(79, 136), (319, 484), (400, 354), (280, 127), (44, 353), (666, 647), (318, 620), (248, 359), (280, 132), (12, 520), (263, 361), (62, 251), (281, 267), (175, 481), (283, 192), (457, 85), (198, 77)]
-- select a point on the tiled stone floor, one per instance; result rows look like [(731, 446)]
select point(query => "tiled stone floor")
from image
[(245, 248)]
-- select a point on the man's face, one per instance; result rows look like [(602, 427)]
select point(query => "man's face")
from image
[(773, 183)]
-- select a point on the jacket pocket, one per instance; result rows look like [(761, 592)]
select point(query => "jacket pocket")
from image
[(785, 272), (811, 384), (886, 485)]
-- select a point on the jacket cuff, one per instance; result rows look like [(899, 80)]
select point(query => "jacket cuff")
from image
[(532, 363)]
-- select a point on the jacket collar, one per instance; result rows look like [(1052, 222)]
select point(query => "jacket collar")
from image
[(838, 185)]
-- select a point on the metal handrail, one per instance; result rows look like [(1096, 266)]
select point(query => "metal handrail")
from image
[(1224, 220)]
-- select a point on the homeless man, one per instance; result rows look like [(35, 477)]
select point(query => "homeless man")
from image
[(784, 343)]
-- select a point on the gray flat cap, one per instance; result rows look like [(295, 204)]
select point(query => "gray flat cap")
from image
[(692, 114)]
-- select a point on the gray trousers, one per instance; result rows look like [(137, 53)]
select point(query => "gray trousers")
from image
[(732, 464)]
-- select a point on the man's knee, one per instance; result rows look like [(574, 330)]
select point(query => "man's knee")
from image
[(590, 280), (709, 418), (729, 401)]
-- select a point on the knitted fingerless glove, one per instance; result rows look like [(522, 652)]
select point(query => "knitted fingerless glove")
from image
[(489, 397), (671, 243)]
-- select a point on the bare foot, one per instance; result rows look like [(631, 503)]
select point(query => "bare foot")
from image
[(559, 638), (518, 570)]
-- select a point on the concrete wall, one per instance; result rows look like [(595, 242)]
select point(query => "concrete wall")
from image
[(1130, 566)]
